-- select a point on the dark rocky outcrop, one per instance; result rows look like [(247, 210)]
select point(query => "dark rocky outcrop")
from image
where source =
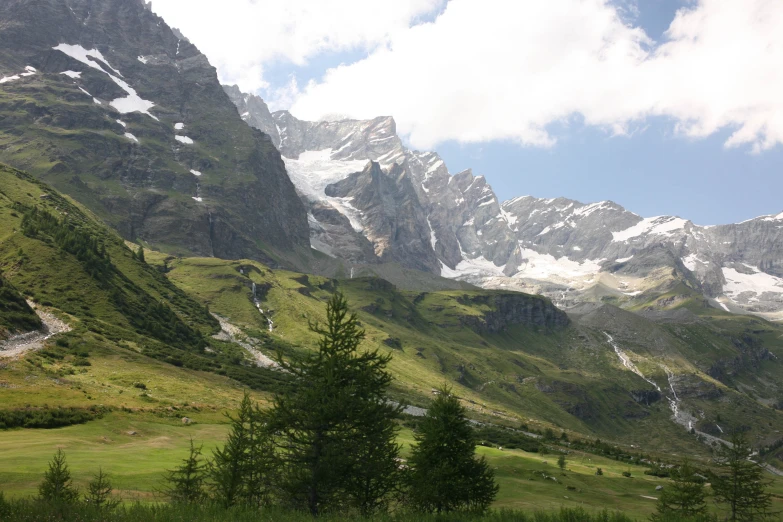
[(509, 309)]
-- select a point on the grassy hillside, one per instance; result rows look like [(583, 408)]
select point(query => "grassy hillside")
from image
[(57, 255), (142, 355), (567, 376)]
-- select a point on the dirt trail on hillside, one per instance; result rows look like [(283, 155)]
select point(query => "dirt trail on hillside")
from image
[(18, 345)]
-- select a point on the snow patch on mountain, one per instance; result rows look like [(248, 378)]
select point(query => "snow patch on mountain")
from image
[(314, 170), (29, 71), (471, 268), (545, 266), (757, 283), (660, 225), (692, 261), (94, 59)]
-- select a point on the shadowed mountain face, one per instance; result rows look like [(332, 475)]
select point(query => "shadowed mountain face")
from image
[(104, 101), (407, 207)]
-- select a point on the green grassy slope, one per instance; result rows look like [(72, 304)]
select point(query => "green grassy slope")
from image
[(58, 255), (566, 377)]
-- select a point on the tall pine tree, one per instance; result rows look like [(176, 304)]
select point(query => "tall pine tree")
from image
[(334, 428), (445, 473), (739, 483)]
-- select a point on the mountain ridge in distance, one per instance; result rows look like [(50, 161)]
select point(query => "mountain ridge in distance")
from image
[(455, 226)]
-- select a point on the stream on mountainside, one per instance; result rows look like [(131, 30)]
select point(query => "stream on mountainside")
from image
[(679, 415), (232, 334)]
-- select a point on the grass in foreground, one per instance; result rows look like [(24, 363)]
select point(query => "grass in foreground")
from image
[(30, 511)]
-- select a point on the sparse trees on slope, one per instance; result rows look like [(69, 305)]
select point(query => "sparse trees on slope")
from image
[(241, 471), (684, 498), (186, 483), (334, 427), (57, 486), (445, 473), (739, 483)]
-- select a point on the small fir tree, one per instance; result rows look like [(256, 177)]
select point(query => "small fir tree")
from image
[(561, 462), (99, 493), (684, 498), (739, 483), (241, 471), (140, 254), (57, 486), (186, 483), (445, 473)]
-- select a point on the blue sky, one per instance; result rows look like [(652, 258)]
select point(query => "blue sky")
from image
[(671, 157)]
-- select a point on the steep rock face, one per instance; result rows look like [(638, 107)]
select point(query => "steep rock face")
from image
[(454, 226), (508, 309), (125, 115), (388, 204)]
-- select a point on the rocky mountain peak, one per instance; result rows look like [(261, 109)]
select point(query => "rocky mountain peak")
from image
[(412, 211)]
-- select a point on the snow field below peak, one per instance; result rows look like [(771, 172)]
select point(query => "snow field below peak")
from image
[(756, 283)]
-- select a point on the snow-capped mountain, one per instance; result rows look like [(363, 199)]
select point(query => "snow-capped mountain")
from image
[(371, 200)]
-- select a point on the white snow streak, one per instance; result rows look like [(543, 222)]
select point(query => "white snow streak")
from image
[(131, 103), (661, 225)]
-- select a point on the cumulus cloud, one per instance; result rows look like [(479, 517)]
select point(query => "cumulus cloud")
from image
[(485, 70), (507, 69), (241, 37)]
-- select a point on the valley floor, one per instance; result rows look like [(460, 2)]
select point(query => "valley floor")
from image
[(137, 448)]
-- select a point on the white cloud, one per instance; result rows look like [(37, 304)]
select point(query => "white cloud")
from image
[(506, 69), (242, 36)]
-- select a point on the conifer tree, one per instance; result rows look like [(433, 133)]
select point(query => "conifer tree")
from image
[(140, 254), (445, 473), (186, 483), (375, 475), (334, 426), (684, 498), (561, 462), (99, 492), (739, 483), (241, 471), (57, 486)]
